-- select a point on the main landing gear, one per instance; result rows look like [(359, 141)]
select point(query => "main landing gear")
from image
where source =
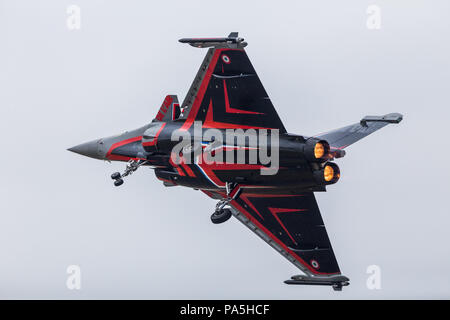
[(131, 167), (222, 214)]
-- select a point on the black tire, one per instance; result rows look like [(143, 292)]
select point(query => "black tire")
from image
[(118, 182), (115, 175), (221, 216)]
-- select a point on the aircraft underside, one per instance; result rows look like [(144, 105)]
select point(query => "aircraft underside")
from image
[(272, 193)]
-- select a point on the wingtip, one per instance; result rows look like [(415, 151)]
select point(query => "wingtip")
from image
[(337, 282), (394, 117), (389, 118)]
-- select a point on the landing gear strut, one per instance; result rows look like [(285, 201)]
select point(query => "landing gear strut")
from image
[(131, 167), (222, 214)]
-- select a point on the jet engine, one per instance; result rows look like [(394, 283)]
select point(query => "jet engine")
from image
[(316, 150), (329, 174)]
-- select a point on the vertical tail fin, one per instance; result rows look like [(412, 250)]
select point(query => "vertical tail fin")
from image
[(169, 110)]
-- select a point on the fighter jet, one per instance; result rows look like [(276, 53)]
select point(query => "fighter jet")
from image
[(276, 202)]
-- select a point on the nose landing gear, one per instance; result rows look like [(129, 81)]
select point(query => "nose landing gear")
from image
[(131, 167), (118, 182), (222, 214)]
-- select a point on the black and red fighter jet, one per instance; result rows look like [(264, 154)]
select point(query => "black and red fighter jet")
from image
[(280, 207)]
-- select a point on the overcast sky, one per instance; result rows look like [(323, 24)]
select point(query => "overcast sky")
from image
[(323, 69)]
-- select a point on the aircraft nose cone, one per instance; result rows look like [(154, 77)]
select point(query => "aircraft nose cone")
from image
[(88, 149)]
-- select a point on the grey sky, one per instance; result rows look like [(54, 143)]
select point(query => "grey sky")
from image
[(322, 68)]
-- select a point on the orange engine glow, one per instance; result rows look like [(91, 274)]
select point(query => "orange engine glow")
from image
[(328, 173), (319, 150)]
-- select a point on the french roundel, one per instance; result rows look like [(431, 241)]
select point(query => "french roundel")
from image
[(315, 264), (226, 59)]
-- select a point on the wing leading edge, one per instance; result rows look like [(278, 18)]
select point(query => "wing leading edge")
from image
[(227, 92)]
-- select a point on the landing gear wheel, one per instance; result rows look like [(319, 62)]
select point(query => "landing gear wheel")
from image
[(132, 166), (118, 182), (115, 175), (221, 216)]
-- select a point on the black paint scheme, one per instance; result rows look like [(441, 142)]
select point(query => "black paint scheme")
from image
[(281, 208)]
